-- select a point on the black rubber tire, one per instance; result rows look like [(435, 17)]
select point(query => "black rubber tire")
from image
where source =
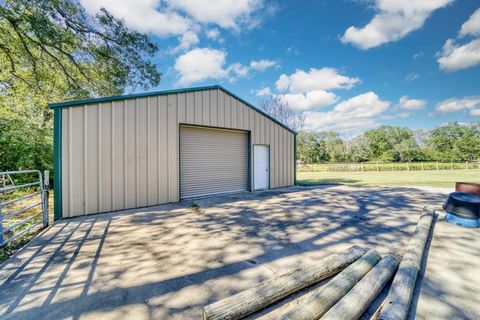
[(464, 205)]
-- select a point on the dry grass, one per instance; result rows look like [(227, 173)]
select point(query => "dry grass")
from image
[(196, 208)]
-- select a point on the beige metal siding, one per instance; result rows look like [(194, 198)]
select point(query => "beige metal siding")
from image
[(77, 161), (105, 157), (91, 159), (125, 154), (130, 153), (118, 154), (212, 161)]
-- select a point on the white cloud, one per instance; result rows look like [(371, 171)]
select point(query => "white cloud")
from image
[(143, 15), (238, 70), (393, 21), (454, 57), (292, 50), (475, 112), (315, 79), (472, 25), (412, 77), (213, 34), (349, 116), (224, 13), (364, 105), (176, 17), (283, 82), (418, 55), (405, 103), (405, 107), (454, 105), (262, 65), (403, 114), (201, 64), (309, 100), (307, 90), (264, 92), (188, 40)]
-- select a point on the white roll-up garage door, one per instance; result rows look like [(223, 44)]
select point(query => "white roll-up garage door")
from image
[(212, 161)]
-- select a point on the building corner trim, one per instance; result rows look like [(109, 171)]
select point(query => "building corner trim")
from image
[(57, 165), (294, 159)]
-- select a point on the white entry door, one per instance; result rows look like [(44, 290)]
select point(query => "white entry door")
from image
[(261, 167)]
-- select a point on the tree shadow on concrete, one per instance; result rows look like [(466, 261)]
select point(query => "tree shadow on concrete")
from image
[(169, 261), (448, 282)]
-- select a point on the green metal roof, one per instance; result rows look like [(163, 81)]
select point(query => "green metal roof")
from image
[(66, 104)]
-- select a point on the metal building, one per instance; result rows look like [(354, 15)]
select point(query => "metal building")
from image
[(146, 149)]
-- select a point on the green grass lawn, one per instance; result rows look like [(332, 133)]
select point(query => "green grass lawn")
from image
[(442, 178)]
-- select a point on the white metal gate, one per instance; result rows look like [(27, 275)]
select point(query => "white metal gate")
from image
[(12, 225)]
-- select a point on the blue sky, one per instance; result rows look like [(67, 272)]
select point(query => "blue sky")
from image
[(349, 65)]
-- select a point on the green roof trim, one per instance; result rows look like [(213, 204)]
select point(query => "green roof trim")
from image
[(60, 105)]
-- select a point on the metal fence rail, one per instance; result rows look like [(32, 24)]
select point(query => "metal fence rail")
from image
[(7, 187)]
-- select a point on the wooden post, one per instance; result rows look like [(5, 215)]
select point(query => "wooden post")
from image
[(357, 300), (397, 303), (451, 165), (437, 165), (326, 296), (266, 293), (361, 166), (408, 166), (466, 164), (377, 167), (422, 165)]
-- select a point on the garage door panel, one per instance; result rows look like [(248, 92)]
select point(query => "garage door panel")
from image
[(212, 161)]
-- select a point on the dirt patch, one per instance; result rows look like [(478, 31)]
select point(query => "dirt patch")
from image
[(196, 208)]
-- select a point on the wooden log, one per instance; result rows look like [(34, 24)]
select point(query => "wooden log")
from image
[(397, 303), (266, 293), (357, 300), (326, 296)]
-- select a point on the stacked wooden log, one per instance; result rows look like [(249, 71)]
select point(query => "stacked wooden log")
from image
[(359, 276)]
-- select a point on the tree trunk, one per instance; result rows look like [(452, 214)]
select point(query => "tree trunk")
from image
[(397, 303), (266, 293), (357, 300), (326, 296)]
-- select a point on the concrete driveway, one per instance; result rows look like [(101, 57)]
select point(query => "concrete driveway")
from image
[(167, 262)]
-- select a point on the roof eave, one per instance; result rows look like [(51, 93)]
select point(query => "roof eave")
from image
[(81, 102)]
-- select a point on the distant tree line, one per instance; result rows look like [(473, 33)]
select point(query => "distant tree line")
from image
[(452, 141), (449, 142)]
